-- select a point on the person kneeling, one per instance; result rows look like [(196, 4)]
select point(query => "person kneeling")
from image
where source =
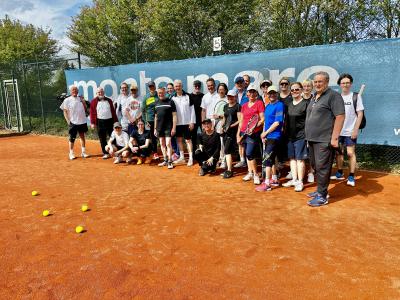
[(139, 143), (209, 147), (118, 143)]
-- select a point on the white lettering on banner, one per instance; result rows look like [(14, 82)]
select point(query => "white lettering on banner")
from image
[(113, 86), (396, 131), (256, 77), (306, 73)]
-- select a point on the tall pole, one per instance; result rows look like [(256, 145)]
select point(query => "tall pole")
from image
[(40, 95)]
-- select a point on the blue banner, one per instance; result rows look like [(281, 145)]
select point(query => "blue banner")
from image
[(373, 63)]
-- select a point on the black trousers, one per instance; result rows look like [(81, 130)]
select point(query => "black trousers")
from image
[(321, 157), (153, 137), (201, 157), (194, 137), (104, 129)]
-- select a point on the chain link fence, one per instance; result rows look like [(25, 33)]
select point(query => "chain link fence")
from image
[(30, 100)]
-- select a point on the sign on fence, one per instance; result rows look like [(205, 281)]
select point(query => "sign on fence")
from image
[(373, 63)]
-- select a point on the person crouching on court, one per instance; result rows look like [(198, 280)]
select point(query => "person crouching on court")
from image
[(74, 108), (139, 143), (102, 117), (117, 145), (209, 146), (271, 135)]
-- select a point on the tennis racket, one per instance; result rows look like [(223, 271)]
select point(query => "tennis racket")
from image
[(250, 127), (219, 111), (228, 123)]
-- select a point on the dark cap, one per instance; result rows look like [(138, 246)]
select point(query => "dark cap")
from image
[(239, 79), (151, 83), (206, 121), (197, 83), (266, 82)]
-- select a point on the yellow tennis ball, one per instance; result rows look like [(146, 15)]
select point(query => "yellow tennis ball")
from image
[(35, 193), (45, 213), (79, 229), (84, 207)]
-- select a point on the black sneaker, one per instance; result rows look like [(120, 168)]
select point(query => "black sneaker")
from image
[(201, 172), (228, 174)]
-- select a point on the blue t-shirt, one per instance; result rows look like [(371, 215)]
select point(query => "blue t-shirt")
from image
[(274, 113)]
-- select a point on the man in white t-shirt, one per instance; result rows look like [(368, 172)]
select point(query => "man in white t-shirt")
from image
[(131, 111), (348, 135), (74, 109), (121, 100), (118, 144), (209, 100)]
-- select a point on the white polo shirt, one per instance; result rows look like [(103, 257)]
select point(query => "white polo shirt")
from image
[(75, 110), (208, 103)]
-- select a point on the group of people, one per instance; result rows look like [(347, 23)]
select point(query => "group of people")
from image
[(303, 122)]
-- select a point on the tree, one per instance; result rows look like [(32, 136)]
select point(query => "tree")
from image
[(24, 42), (107, 32)]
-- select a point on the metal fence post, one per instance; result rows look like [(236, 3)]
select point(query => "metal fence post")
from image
[(27, 97), (40, 95)]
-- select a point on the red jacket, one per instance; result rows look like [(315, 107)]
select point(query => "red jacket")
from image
[(93, 110)]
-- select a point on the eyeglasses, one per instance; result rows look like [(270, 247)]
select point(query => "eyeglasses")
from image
[(295, 90), (284, 83)]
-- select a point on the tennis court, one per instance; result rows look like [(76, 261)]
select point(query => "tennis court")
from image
[(154, 233)]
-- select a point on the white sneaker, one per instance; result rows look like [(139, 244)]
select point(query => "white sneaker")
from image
[(248, 176), (180, 160), (222, 165), (163, 163), (310, 177), (289, 175), (190, 162), (72, 156), (256, 179), (290, 183), (85, 155), (105, 156), (299, 186), (240, 164), (117, 160)]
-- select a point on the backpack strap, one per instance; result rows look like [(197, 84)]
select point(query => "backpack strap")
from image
[(355, 99)]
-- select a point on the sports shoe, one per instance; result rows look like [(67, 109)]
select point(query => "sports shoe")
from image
[(201, 172), (163, 164), (299, 186), (139, 161), (128, 160), (256, 179), (274, 182), (72, 156), (351, 181), (180, 160), (222, 165), (289, 175), (310, 177), (337, 176), (117, 160), (240, 164), (263, 187), (318, 201), (248, 176), (170, 165), (155, 156), (106, 156), (290, 183), (190, 162), (227, 174), (84, 155), (314, 194), (175, 157)]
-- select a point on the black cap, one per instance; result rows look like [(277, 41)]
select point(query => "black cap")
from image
[(206, 121), (197, 83), (151, 83)]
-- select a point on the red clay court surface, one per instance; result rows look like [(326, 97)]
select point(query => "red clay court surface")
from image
[(154, 233)]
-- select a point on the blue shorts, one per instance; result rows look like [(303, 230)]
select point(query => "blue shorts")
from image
[(347, 141), (250, 144), (297, 149), (270, 152)]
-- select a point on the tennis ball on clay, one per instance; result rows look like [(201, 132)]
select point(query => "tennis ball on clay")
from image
[(35, 193), (85, 207), (45, 213), (79, 229)]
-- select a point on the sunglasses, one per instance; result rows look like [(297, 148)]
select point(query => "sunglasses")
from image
[(295, 90), (284, 83)]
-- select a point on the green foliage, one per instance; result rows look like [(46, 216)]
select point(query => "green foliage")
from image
[(24, 42)]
